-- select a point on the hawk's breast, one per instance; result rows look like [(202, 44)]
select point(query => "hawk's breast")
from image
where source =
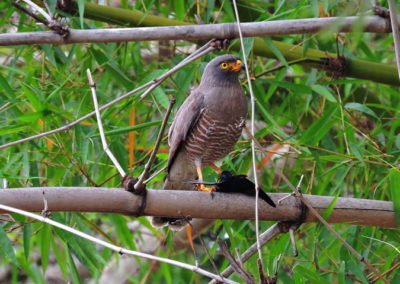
[(212, 139)]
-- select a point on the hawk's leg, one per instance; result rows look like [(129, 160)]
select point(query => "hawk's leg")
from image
[(202, 187)]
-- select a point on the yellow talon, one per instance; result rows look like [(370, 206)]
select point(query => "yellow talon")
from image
[(202, 187)]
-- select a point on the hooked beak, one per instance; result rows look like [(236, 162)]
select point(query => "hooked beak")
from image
[(237, 66)]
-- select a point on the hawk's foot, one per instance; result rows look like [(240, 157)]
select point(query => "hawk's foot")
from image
[(208, 189)]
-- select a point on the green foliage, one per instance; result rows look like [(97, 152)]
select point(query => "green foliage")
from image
[(347, 132)]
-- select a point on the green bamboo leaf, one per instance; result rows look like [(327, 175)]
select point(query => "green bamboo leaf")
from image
[(60, 257), (394, 182), (319, 128), (362, 108), (5, 246), (49, 51), (315, 8), (27, 239), (298, 88), (11, 129), (122, 230), (248, 45), (129, 128), (81, 9), (30, 117), (311, 275), (323, 91), (210, 7), (52, 5), (6, 87), (328, 211), (179, 9), (341, 273), (276, 51), (72, 267), (45, 236), (119, 75), (161, 97), (32, 97)]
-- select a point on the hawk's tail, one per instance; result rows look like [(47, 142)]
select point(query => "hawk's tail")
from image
[(180, 170)]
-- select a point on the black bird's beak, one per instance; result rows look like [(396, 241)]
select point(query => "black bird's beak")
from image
[(242, 67)]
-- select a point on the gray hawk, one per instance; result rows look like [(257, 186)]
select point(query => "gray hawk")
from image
[(206, 127)]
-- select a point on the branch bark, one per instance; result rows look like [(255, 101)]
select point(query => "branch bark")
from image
[(374, 24), (197, 205)]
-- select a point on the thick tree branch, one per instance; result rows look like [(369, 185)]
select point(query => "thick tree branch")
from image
[(374, 24), (197, 205)]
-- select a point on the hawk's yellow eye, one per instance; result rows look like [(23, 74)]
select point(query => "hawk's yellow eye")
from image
[(224, 65)]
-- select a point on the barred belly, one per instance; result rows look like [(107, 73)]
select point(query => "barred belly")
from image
[(211, 140)]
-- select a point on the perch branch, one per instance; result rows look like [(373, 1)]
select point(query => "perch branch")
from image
[(175, 203)]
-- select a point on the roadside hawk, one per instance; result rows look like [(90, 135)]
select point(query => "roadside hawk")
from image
[(206, 127)]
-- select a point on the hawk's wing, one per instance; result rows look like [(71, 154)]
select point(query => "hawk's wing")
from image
[(185, 118)]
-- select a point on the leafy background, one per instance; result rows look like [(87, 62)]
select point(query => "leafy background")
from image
[(346, 130)]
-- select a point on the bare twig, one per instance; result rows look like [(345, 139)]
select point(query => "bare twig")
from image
[(147, 167), (293, 241), (253, 150), (204, 50), (239, 257), (113, 247), (265, 237), (30, 13), (395, 31), (208, 254), (313, 211), (38, 9), (195, 55), (45, 206), (155, 174), (238, 269), (100, 126)]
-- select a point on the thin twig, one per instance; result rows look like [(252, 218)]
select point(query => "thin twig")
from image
[(241, 273), (38, 9), (395, 31), (30, 13), (147, 167), (155, 174), (144, 86), (115, 248), (48, 9), (342, 119), (313, 211), (265, 237), (100, 126), (208, 254), (253, 150), (194, 56), (239, 257)]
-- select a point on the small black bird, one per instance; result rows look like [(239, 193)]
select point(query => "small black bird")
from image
[(230, 183)]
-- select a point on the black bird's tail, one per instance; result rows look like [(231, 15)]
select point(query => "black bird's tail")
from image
[(265, 197)]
